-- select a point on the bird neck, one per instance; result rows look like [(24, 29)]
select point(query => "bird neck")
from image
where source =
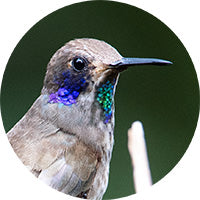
[(90, 117)]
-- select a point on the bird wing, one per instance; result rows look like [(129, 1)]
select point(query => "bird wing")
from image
[(72, 173), (65, 163)]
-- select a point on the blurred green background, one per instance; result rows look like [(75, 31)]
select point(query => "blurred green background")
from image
[(165, 99)]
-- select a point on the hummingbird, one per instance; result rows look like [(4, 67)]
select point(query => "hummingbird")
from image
[(66, 137)]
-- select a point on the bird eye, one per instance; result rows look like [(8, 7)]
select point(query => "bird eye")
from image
[(79, 63)]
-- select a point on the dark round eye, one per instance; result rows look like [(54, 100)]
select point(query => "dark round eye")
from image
[(79, 63)]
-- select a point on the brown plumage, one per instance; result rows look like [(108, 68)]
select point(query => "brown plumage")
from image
[(66, 137), (60, 146)]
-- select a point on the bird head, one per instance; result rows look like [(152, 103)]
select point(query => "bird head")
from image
[(85, 71)]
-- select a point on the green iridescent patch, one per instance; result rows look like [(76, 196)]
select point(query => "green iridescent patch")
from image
[(105, 98)]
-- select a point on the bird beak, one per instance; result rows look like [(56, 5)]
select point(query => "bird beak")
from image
[(125, 62)]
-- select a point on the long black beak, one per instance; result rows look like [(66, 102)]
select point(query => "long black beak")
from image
[(139, 61)]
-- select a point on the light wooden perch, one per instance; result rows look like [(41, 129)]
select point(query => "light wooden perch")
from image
[(138, 152)]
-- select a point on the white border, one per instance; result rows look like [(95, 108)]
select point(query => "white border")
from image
[(19, 16)]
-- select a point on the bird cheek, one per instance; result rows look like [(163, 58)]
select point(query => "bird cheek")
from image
[(99, 69)]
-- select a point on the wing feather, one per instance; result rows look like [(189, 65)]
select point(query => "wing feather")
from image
[(72, 173)]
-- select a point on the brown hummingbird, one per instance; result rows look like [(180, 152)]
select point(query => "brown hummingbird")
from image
[(66, 137)]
